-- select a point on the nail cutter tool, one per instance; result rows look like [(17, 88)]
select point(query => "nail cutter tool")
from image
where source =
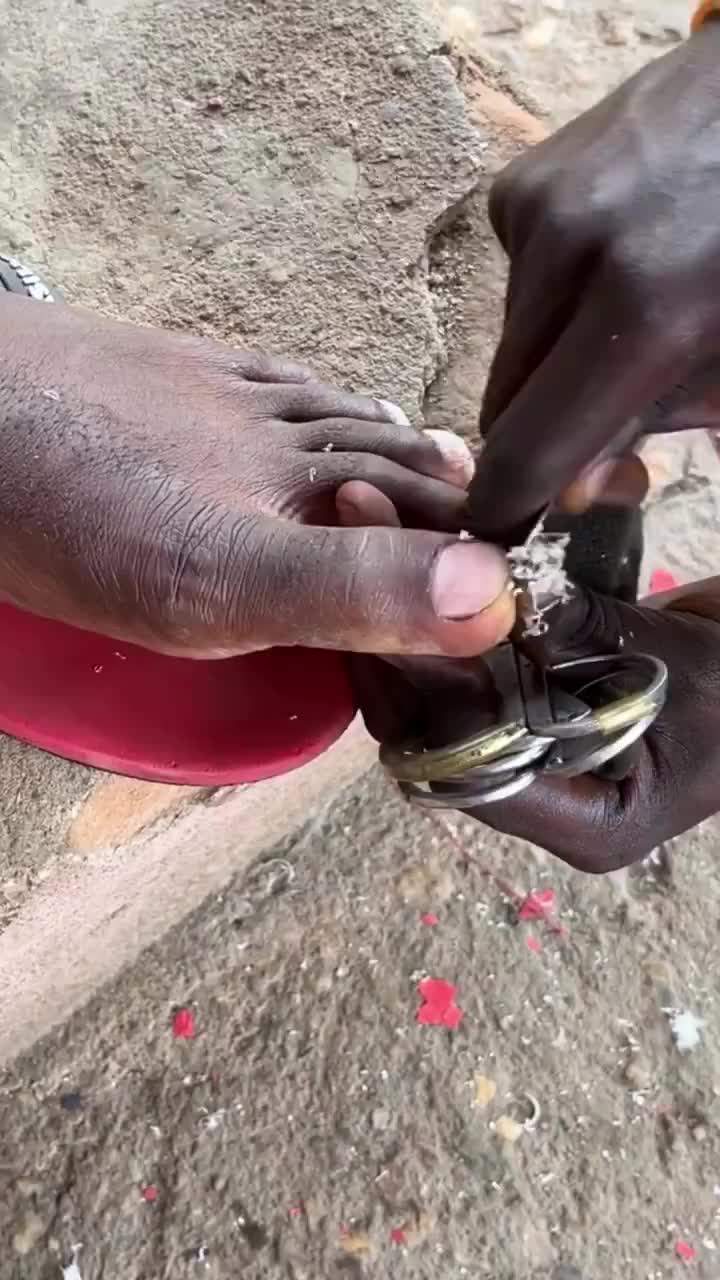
[(562, 720)]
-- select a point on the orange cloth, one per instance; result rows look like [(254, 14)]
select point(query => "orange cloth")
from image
[(704, 11)]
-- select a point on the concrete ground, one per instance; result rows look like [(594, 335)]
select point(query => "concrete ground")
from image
[(311, 1128)]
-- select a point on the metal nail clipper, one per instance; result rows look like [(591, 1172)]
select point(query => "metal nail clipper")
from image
[(564, 720)]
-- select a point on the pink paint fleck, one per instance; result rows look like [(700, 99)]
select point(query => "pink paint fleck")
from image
[(685, 1252), (397, 1235), (295, 1210), (532, 943), (429, 919), (662, 580), (183, 1024), (538, 905), (438, 1008), (150, 1194)]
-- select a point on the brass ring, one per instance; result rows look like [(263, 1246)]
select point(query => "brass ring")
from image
[(623, 712), (467, 799), (410, 763)]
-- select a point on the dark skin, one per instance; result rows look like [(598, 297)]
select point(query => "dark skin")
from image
[(186, 496), (599, 826), (593, 825), (612, 323), (176, 492), (612, 330), (179, 494)]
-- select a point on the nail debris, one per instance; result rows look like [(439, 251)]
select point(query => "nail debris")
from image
[(686, 1029), (72, 1270)]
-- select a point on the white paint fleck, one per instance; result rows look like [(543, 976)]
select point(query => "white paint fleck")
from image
[(214, 1120), (686, 1028), (72, 1271)]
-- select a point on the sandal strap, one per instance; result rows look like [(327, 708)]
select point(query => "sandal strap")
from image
[(16, 278)]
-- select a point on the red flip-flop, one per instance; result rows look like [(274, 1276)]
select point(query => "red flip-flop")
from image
[(121, 708)]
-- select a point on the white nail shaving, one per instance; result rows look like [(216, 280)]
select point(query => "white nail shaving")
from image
[(538, 573), (72, 1271), (686, 1029)]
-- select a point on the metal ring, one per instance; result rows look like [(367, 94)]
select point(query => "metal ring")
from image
[(505, 751), (517, 759), (588, 761), (439, 764), (624, 711), (467, 799)]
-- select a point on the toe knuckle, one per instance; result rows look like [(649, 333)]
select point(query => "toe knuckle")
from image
[(208, 576)]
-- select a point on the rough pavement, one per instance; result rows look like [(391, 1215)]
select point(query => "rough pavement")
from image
[(312, 1128)]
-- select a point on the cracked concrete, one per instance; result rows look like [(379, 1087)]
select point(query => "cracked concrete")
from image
[(267, 174)]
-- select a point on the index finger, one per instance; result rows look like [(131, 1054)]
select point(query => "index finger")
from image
[(584, 399)]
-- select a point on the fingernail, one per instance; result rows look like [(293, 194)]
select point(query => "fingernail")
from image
[(468, 577), (395, 413), (587, 488), (595, 479), (454, 451), (616, 482)]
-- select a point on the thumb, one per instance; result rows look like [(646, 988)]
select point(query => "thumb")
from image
[(372, 590)]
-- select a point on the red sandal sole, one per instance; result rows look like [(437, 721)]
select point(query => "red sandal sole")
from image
[(121, 708)]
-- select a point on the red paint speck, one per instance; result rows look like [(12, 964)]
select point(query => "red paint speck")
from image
[(429, 919), (183, 1024), (538, 905), (397, 1235), (685, 1252), (295, 1211), (438, 1008), (532, 943), (662, 580), (150, 1194)]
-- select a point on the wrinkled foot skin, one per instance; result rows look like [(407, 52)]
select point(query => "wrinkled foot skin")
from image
[(202, 501)]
